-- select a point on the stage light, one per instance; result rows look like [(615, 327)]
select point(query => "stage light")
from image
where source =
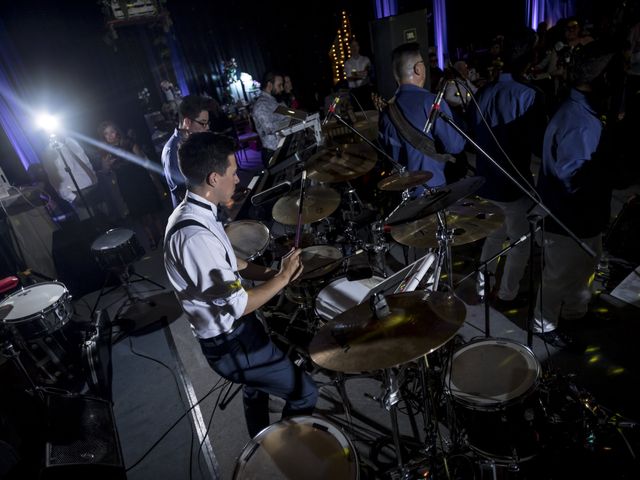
[(48, 122)]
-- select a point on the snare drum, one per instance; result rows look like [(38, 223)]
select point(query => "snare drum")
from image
[(37, 310), (249, 238), (299, 448), (493, 384), (341, 294), (117, 248)]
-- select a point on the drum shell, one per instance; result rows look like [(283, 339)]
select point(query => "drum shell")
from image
[(502, 426), (43, 322), (299, 447), (249, 238), (115, 253)]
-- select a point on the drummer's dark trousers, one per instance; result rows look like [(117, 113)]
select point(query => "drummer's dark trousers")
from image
[(248, 356)]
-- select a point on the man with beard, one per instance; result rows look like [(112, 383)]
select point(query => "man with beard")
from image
[(265, 118)]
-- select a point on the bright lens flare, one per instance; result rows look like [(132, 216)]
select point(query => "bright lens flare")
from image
[(47, 122)]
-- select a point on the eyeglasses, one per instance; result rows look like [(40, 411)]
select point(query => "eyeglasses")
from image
[(202, 123)]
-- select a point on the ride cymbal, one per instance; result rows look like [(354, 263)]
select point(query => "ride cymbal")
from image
[(401, 181), (319, 202), (418, 323), (470, 219), (341, 163), (434, 202)]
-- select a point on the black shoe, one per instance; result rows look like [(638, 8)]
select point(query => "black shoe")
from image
[(559, 339)]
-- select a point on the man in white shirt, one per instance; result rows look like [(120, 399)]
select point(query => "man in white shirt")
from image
[(358, 70), (207, 278), (81, 169)]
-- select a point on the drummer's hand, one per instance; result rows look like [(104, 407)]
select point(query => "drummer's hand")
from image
[(291, 264)]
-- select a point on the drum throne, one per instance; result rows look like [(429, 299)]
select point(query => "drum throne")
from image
[(116, 251)]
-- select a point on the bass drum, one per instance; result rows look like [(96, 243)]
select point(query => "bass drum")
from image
[(493, 385), (299, 448)]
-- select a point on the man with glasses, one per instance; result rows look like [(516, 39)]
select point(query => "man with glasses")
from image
[(268, 122), (194, 117), (414, 103)]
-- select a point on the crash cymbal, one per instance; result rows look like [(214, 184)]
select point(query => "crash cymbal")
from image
[(470, 219), (434, 202), (319, 202), (418, 324), (341, 163), (401, 181)]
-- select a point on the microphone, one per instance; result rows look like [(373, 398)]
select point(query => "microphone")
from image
[(271, 193), (332, 109), (435, 108)]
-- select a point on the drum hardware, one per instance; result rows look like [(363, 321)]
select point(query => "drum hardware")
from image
[(8, 350), (116, 251)]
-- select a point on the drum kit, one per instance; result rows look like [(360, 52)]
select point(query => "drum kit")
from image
[(485, 394)]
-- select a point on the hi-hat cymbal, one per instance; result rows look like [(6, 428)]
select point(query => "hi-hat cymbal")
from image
[(319, 202), (403, 180), (434, 202), (357, 341), (470, 219), (341, 163)]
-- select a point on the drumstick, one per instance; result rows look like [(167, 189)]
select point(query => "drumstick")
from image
[(341, 259), (301, 201)]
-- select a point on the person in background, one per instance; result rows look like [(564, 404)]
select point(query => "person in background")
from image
[(134, 181), (287, 97), (82, 171), (414, 103), (515, 121), (194, 117), (358, 71), (265, 119), (207, 278)]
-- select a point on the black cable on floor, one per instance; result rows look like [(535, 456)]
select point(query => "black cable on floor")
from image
[(215, 387)]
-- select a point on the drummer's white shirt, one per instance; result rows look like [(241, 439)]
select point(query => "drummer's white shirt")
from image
[(202, 269)]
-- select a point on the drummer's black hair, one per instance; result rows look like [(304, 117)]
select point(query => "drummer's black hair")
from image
[(203, 153)]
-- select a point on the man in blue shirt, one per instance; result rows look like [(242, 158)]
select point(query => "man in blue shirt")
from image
[(575, 183), (515, 120), (194, 117), (414, 102)]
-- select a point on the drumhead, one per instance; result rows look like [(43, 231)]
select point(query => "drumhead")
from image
[(489, 373), (341, 294), (32, 299), (249, 238), (112, 239), (318, 260), (298, 448)]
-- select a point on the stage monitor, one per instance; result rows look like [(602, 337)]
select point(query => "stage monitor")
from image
[(390, 32)]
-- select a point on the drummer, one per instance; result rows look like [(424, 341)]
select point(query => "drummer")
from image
[(207, 278)]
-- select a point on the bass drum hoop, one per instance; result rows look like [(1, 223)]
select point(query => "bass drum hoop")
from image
[(305, 426)]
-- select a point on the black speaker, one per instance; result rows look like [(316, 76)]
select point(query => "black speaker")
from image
[(82, 441), (74, 262), (390, 32)]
